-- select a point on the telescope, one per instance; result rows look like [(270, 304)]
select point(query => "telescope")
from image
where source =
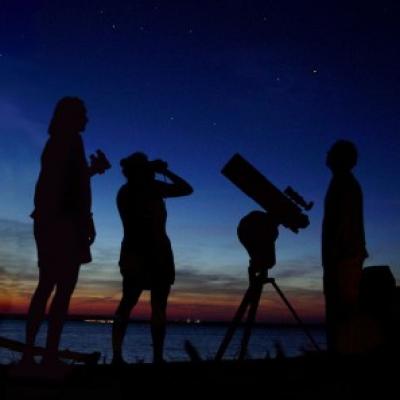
[(257, 232), (286, 207)]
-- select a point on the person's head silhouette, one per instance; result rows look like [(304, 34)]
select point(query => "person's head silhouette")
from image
[(137, 168), (342, 156), (69, 117)]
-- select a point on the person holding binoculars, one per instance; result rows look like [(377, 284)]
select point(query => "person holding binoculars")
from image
[(63, 223), (146, 258)]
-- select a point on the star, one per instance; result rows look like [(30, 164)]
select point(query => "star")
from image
[(171, 118), (314, 71), (114, 27)]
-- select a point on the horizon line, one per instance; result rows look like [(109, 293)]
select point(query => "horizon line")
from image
[(187, 321)]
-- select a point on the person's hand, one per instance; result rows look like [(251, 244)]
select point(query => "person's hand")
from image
[(98, 163), (159, 166), (91, 231)]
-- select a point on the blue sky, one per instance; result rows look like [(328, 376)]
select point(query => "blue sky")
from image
[(193, 83)]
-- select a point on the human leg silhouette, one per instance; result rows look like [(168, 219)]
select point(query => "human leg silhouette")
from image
[(37, 311), (59, 309), (130, 297), (341, 288), (159, 299)]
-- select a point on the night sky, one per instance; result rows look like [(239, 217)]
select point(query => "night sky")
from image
[(193, 82)]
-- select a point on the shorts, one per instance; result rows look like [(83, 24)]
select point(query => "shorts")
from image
[(58, 244)]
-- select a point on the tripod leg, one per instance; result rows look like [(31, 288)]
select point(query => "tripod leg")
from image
[(234, 324), (254, 302), (293, 311)]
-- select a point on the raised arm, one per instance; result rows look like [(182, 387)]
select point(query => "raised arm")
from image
[(177, 186)]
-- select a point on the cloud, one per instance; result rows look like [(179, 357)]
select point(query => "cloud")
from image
[(17, 246), (18, 271), (204, 293), (196, 282)]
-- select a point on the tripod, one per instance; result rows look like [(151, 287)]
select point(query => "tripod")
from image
[(251, 300)]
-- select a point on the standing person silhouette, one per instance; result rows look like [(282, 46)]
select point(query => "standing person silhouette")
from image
[(146, 259), (343, 246), (63, 224)]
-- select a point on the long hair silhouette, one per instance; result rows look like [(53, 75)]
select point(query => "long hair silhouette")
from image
[(63, 224)]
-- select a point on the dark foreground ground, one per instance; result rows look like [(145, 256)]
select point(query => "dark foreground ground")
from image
[(311, 376)]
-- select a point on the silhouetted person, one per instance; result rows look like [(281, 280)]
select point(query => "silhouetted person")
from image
[(146, 260), (343, 245), (63, 224)]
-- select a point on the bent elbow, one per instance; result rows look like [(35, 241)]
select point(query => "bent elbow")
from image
[(189, 190)]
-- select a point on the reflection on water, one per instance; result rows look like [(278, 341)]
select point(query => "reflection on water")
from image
[(94, 336)]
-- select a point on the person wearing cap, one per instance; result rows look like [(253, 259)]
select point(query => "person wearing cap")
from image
[(146, 257), (343, 247)]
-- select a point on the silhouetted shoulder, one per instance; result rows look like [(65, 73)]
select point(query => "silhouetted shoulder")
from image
[(344, 192), (123, 190), (346, 182)]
